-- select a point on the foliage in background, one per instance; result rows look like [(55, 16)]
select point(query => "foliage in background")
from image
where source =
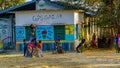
[(5, 4)]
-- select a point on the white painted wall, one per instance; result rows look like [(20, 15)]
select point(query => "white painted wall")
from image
[(44, 18), (78, 18)]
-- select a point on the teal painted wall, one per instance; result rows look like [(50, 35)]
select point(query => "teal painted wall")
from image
[(64, 32)]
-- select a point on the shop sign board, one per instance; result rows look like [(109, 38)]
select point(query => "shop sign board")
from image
[(44, 18)]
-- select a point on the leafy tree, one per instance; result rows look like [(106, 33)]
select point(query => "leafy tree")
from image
[(5, 4), (107, 11), (109, 15)]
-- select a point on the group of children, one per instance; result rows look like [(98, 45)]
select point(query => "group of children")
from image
[(59, 48), (32, 48)]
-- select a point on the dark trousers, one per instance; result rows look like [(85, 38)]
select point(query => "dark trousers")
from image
[(29, 52), (77, 49), (25, 49)]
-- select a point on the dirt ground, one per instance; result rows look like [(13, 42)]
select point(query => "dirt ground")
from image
[(87, 59)]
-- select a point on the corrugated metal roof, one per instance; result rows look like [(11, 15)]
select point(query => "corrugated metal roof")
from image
[(25, 6), (90, 13), (13, 8), (30, 2)]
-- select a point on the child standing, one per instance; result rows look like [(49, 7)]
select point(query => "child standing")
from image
[(38, 48)]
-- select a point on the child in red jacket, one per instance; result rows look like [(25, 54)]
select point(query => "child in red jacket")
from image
[(30, 48)]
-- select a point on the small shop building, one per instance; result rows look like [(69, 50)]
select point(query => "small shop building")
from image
[(48, 20)]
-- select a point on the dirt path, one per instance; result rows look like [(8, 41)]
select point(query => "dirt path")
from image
[(103, 59)]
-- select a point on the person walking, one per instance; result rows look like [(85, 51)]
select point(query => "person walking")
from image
[(30, 49), (116, 40), (80, 46), (93, 43), (118, 43), (25, 47)]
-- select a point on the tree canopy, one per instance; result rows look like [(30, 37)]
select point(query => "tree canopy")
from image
[(106, 10), (5, 4)]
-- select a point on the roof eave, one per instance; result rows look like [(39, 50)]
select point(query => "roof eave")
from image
[(11, 9)]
